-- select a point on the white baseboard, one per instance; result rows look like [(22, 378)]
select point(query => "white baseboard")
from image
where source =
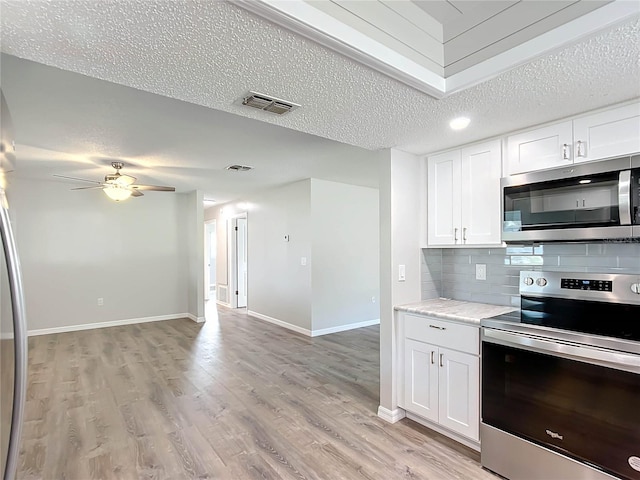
[(343, 328), (113, 323), (280, 323), (195, 319), (391, 416), (224, 304)]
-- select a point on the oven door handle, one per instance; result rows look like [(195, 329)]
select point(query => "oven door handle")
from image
[(606, 358)]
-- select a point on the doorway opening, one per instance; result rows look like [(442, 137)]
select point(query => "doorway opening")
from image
[(239, 260), (210, 249)]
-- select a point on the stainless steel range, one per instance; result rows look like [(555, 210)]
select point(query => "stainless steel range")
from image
[(561, 380)]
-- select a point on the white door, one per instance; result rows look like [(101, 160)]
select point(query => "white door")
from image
[(607, 134), (443, 199), (241, 261), (546, 147), (421, 379), (481, 170), (459, 389)]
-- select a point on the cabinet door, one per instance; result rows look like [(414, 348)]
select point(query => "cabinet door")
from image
[(546, 147), (481, 171), (443, 194), (459, 392), (421, 379), (607, 134)]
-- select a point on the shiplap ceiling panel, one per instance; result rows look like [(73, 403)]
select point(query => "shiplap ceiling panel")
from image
[(411, 12), (380, 33), (388, 21), (501, 30), (443, 12), (529, 32), (472, 13)]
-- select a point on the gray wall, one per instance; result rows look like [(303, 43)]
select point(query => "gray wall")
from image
[(450, 273), (77, 246)]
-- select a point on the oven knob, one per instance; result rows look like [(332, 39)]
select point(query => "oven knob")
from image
[(635, 288), (541, 282), (528, 281)]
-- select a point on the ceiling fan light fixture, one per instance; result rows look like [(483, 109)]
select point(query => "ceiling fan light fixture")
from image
[(117, 192)]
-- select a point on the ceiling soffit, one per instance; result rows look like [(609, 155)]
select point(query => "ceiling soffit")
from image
[(443, 47)]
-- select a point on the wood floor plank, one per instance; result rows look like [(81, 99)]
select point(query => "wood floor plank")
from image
[(234, 398)]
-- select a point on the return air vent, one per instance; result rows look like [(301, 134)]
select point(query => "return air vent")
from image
[(268, 104), (239, 168)]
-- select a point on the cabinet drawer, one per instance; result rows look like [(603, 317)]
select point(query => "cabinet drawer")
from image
[(464, 338)]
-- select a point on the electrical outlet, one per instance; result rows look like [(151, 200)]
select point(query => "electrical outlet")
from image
[(373, 299), (481, 271), (100, 302), (286, 238)]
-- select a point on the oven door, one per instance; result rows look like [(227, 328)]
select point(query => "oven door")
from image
[(579, 401)]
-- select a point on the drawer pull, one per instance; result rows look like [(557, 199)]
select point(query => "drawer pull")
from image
[(439, 328), (432, 360), (442, 359)]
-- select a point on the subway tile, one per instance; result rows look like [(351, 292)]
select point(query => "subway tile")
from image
[(565, 249), (527, 260), (519, 251), (495, 299)]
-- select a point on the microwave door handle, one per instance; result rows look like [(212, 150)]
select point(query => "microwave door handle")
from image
[(624, 197)]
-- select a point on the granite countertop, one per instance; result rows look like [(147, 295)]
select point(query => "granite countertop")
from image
[(457, 310)]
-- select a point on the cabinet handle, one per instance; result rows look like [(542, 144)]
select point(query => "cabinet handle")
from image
[(432, 360), (580, 150), (455, 234), (464, 234), (442, 359), (566, 152), (583, 203), (439, 328), (577, 203)]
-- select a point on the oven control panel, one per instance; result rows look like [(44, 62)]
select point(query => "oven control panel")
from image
[(580, 284), (601, 287)]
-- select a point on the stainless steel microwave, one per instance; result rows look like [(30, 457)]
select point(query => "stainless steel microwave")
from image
[(581, 202)]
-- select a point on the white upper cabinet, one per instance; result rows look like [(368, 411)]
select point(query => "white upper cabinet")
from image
[(443, 196), (481, 171), (597, 136), (607, 134), (463, 192), (546, 147)]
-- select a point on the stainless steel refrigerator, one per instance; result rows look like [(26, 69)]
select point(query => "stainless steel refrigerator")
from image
[(13, 327)]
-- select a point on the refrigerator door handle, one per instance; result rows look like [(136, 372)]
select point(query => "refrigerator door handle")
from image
[(20, 338)]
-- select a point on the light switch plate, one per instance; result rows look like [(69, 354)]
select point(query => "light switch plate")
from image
[(303, 261), (401, 273)]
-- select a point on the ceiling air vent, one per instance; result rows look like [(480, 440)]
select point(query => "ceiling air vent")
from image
[(239, 168), (268, 104)]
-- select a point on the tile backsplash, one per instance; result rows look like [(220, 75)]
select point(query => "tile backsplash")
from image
[(451, 272)]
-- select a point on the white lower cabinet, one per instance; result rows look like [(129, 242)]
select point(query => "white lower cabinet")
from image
[(442, 374)]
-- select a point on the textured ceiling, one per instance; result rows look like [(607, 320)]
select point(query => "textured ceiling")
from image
[(211, 53)]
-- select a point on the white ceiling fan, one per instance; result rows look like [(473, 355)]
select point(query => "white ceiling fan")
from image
[(118, 186)]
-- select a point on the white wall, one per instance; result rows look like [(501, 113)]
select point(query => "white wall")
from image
[(76, 246), (345, 254), (399, 245)]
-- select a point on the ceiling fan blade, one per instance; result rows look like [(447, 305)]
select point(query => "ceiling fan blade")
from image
[(136, 193), (75, 178), (157, 188), (87, 188)]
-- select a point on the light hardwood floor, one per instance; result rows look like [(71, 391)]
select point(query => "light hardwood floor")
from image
[(234, 398)]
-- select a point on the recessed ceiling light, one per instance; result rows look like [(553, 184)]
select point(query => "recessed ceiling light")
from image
[(459, 123), (584, 181)]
